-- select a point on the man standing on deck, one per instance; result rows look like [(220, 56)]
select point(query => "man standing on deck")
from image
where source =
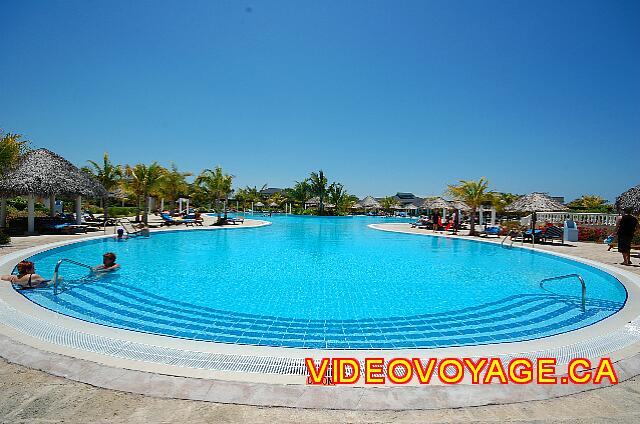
[(625, 230)]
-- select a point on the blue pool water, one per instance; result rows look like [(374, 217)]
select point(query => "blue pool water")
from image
[(326, 282)]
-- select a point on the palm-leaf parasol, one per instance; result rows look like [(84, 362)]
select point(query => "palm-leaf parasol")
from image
[(536, 202), (629, 199)]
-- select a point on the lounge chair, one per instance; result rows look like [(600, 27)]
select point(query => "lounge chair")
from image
[(169, 220), (552, 233), (196, 217), (235, 220), (535, 234), (419, 224), (65, 228), (491, 231)]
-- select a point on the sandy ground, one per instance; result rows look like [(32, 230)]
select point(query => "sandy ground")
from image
[(32, 396)]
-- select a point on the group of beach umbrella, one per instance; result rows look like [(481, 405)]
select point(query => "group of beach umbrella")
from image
[(43, 173)]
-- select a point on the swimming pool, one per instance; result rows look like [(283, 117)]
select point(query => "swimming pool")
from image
[(330, 283)]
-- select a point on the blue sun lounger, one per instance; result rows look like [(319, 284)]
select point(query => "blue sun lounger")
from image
[(491, 231), (169, 220)]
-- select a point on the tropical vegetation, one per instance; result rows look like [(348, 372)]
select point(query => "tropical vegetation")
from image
[(590, 203), (213, 186), (143, 181), (108, 174), (474, 194), (12, 148), (388, 203), (319, 186)]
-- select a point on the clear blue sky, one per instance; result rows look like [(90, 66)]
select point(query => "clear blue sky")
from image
[(385, 96)]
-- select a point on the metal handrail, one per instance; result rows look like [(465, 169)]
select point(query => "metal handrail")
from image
[(122, 222), (512, 235), (55, 272), (579, 277)]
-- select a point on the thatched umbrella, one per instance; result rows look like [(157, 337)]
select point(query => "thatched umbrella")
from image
[(459, 205), (370, 203), (437, 203), (314, 201), (536, 202), (121, 195), (410, 207), (44, 173), (356, 206), (629, 199)]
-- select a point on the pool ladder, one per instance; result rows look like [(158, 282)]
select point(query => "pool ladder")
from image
[(515, 234), (123, 223), (56, 289), (579, 277), (505, 239)]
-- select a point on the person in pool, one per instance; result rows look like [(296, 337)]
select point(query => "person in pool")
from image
[(27, 277), (108, 263)]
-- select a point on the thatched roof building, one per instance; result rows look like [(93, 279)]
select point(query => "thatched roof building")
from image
[(536, 202), (44, 173), (629, 199), (370, 203), (436, 203)]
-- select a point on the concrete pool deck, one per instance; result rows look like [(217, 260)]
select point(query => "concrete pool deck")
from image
[(255, 393)]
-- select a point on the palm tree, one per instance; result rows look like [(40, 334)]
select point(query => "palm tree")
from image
[(174, 183), (474, 194), (336, 193), (133, 183), (109, 176), (215, 185), (12, 148), (388, 202), (340, 198), (143, 181), (278, 198), (300, 192), (241, 196), (319, 187), (502, 200)]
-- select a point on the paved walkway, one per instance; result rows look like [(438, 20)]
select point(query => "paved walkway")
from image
[(32, 396)]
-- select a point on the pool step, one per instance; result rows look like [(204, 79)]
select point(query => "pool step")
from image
[(511, 319)]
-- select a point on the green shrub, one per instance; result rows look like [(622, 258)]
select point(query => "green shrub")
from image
[(94, 209), (119, 211), (19, 203), (12, 212)]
